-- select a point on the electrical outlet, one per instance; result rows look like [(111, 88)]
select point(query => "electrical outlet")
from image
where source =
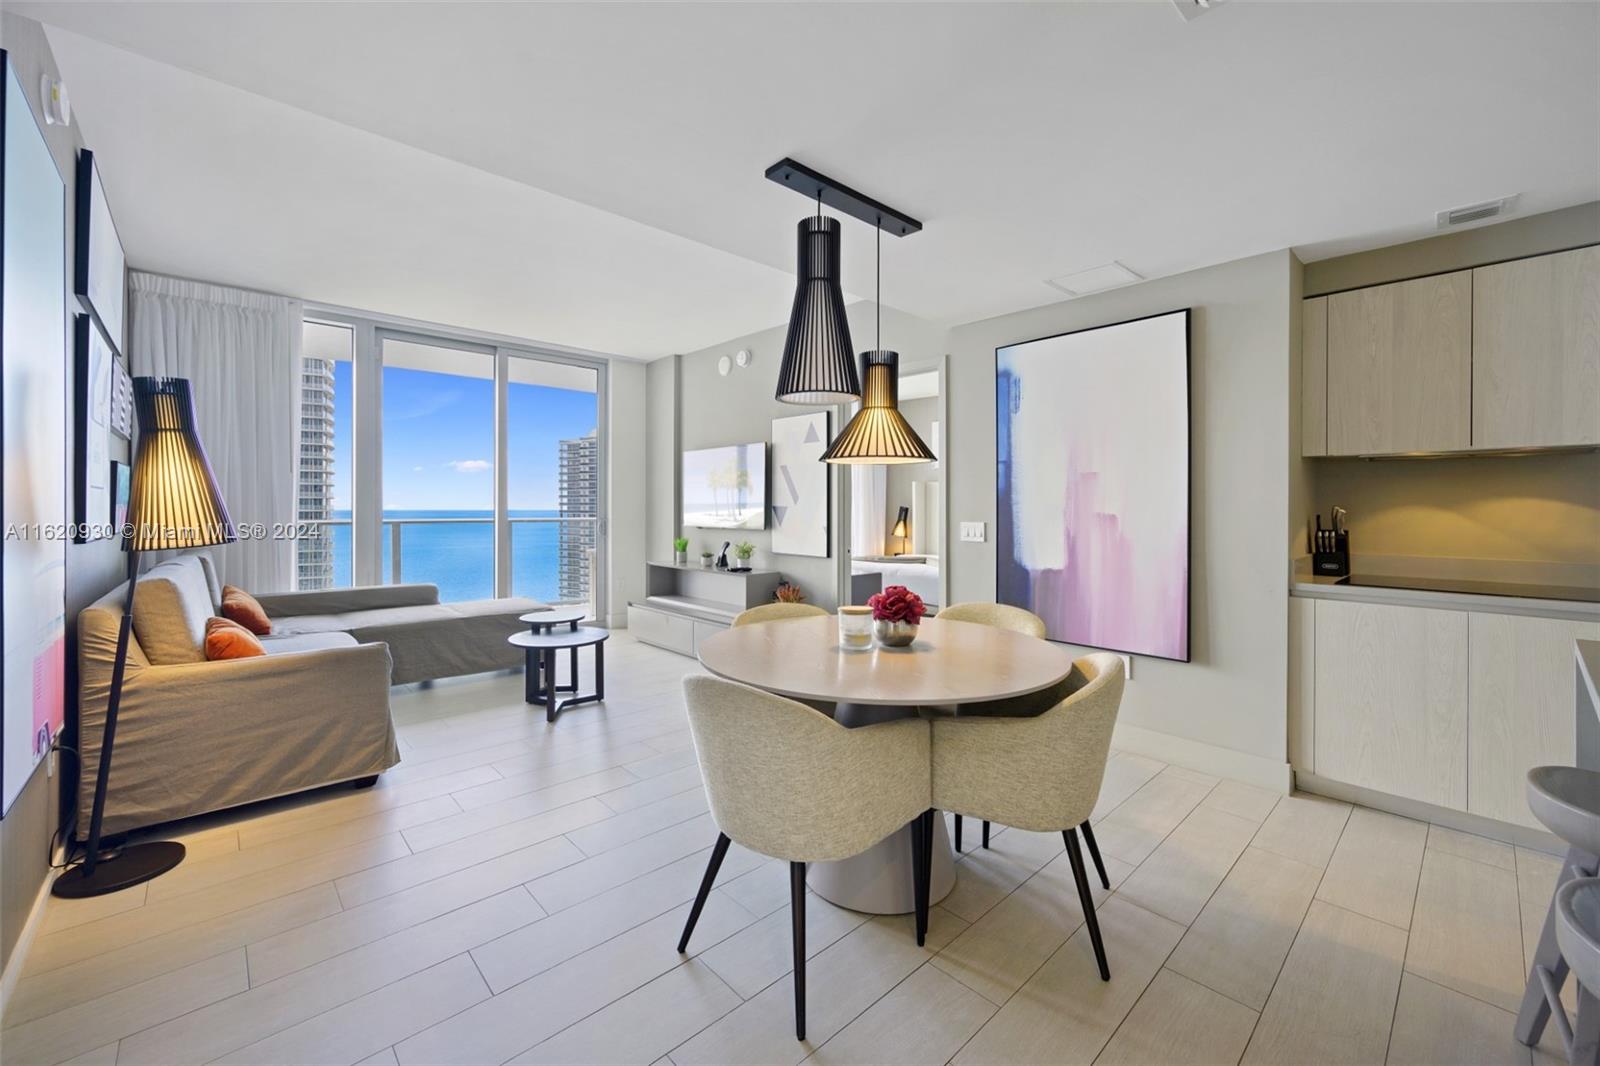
[(974, 532), (1127, 667)]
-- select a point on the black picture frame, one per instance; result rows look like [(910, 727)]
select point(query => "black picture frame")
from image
[(100, 266), (94, 360)]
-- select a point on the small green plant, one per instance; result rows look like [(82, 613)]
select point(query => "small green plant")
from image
[(680, 544), (744, 549), (708, 554)]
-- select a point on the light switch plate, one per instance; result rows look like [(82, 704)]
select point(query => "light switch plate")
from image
[(974, 532)]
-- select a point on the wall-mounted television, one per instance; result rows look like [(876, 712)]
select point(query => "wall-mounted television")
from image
[(726, 487)]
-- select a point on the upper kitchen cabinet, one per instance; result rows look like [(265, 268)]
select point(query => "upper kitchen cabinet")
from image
[(1536, 351), (1399, 373), (1314, 377)]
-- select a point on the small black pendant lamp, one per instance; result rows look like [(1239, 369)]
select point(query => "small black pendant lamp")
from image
[(817, 365), (879, 433)]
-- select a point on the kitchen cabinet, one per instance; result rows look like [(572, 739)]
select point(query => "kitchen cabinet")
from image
[(1314, 377), (1391, 699), (1399, 367), (1520, 707), (1536, 351)]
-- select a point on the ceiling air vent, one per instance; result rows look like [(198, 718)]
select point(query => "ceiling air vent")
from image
[(1193, 9), (1461, 216)]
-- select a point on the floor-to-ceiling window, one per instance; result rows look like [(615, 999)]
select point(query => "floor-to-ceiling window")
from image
[(451, 459)]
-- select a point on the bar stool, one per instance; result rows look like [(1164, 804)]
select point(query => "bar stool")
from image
[(1578, 934), (1567, 801)]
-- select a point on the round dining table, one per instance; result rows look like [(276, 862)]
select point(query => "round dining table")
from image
[(948, 666)]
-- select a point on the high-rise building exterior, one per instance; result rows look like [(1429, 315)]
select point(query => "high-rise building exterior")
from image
[(578, 494), (314, 548)]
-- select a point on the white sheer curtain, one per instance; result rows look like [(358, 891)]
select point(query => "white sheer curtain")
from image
[(241, 353), (869, 499)]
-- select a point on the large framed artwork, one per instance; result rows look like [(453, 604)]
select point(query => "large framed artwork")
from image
[(1092, 440), (33, 394), (99, 265), (94, 361), (800, 491)]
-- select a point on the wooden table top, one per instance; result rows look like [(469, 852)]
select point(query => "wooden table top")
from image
[(950, 663)]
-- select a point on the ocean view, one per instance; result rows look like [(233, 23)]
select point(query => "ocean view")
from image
[(458, 556)]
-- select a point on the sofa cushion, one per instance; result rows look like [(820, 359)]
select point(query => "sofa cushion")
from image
[(239, 606), (280, 644), (227, 639), (170, 606)]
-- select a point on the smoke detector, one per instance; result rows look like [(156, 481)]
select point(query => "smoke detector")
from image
[(1461, 216), (1193, 9), (1096, 279)]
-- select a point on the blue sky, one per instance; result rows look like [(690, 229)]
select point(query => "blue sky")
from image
[(438, 440)]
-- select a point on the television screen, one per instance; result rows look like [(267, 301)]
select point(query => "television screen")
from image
[(726, 488)]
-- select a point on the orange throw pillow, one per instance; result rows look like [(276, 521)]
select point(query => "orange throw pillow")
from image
[(239, 606), (227, 639)]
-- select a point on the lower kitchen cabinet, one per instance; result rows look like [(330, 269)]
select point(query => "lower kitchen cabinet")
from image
[(1520, 707), (1391, 699)]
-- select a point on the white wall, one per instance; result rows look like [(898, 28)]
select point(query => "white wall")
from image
[(626, 486)]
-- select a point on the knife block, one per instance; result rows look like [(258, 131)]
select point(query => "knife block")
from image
[(1335, 563)]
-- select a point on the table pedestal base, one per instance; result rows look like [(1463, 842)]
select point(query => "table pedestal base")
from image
[(878, 881)]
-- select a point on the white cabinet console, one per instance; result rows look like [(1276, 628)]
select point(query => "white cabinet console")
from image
[(684, 604)]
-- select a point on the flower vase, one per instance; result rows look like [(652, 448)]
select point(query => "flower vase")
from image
[(891, 634)]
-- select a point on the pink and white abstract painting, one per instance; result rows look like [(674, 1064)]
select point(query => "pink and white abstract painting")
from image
[(1093, 520)]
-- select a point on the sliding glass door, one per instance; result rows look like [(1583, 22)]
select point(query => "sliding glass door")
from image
[(450, 459)]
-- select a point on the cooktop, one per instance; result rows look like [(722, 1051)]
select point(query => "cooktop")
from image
[(1576, 593)]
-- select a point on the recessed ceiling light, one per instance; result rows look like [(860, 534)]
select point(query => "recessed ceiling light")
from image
[(1095, 279)]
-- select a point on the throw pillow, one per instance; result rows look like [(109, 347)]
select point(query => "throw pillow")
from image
[(226, 639), (239, 606)]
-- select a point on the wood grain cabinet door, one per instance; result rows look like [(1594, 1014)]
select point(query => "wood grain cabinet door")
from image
[(1536, 351), (1391, 699), (1522, 710), (1314, 376), (1400, 367)]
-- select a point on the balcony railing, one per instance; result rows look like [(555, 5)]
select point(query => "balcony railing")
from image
[(552, 558)]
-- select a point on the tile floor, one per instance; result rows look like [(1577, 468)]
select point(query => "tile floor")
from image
[(512, 892)]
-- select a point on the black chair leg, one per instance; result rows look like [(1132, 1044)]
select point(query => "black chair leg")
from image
[(958, 834), (717, 854), (919, 859), (1086, 898), (797, 913), (1094, 853), (986, 833)]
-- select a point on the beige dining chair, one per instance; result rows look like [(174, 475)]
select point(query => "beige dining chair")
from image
[(791, 783), (1042, 773), (1001, 616), (776, 612)]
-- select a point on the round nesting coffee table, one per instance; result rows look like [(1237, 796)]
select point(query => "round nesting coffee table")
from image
[(544, 622), (543, 647)]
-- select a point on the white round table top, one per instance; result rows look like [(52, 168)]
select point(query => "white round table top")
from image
[(555, 616), (581, 637), (950, 663)]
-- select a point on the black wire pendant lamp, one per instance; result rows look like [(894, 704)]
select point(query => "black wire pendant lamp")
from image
[(879, 433), (817, 366)]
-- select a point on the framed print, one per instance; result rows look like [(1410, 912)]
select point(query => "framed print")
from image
[(99, 271), (800, 485), (91, 429)]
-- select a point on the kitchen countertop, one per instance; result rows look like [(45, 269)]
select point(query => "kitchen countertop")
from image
[(1588, 655), (1578, 603)]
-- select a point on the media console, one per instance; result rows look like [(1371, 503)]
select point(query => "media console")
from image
[(685, 603)]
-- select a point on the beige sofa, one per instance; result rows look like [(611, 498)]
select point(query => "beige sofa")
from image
[(196, 736)]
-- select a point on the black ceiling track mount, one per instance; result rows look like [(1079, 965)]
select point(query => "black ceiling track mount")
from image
[(841, 197)]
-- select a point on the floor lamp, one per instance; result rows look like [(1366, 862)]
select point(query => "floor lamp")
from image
[(173, 502)]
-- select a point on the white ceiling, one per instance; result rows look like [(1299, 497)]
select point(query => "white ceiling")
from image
[(591, 175)]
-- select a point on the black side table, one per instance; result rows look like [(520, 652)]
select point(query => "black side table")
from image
[(545, 622), (544, 646)]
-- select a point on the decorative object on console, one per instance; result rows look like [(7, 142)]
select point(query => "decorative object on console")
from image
[(33, 385), (726, 487), (801, 496), (879, 433), (1093, 510), (680, 550), (100, 267), (744, 550), (93, 360), (722, 558), (902, 529), (788, 592), (707, 558), (175, 503), (896, 614)]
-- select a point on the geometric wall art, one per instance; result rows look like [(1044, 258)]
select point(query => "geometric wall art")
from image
[(1092, 523), (800, 485)]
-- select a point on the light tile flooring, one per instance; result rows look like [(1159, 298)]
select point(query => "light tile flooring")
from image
[(513, 892)]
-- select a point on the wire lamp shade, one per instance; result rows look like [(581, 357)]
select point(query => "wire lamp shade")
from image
[(879, 433), (173, 501), (818, 365)]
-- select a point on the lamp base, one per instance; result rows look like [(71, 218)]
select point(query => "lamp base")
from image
[(133, 865)]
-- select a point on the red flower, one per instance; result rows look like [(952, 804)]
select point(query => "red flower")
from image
[(897, 604)]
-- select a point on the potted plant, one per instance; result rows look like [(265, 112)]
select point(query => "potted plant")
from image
[(896, 614), (744, 550), (790, 593), (680, 550), (707, 557)]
